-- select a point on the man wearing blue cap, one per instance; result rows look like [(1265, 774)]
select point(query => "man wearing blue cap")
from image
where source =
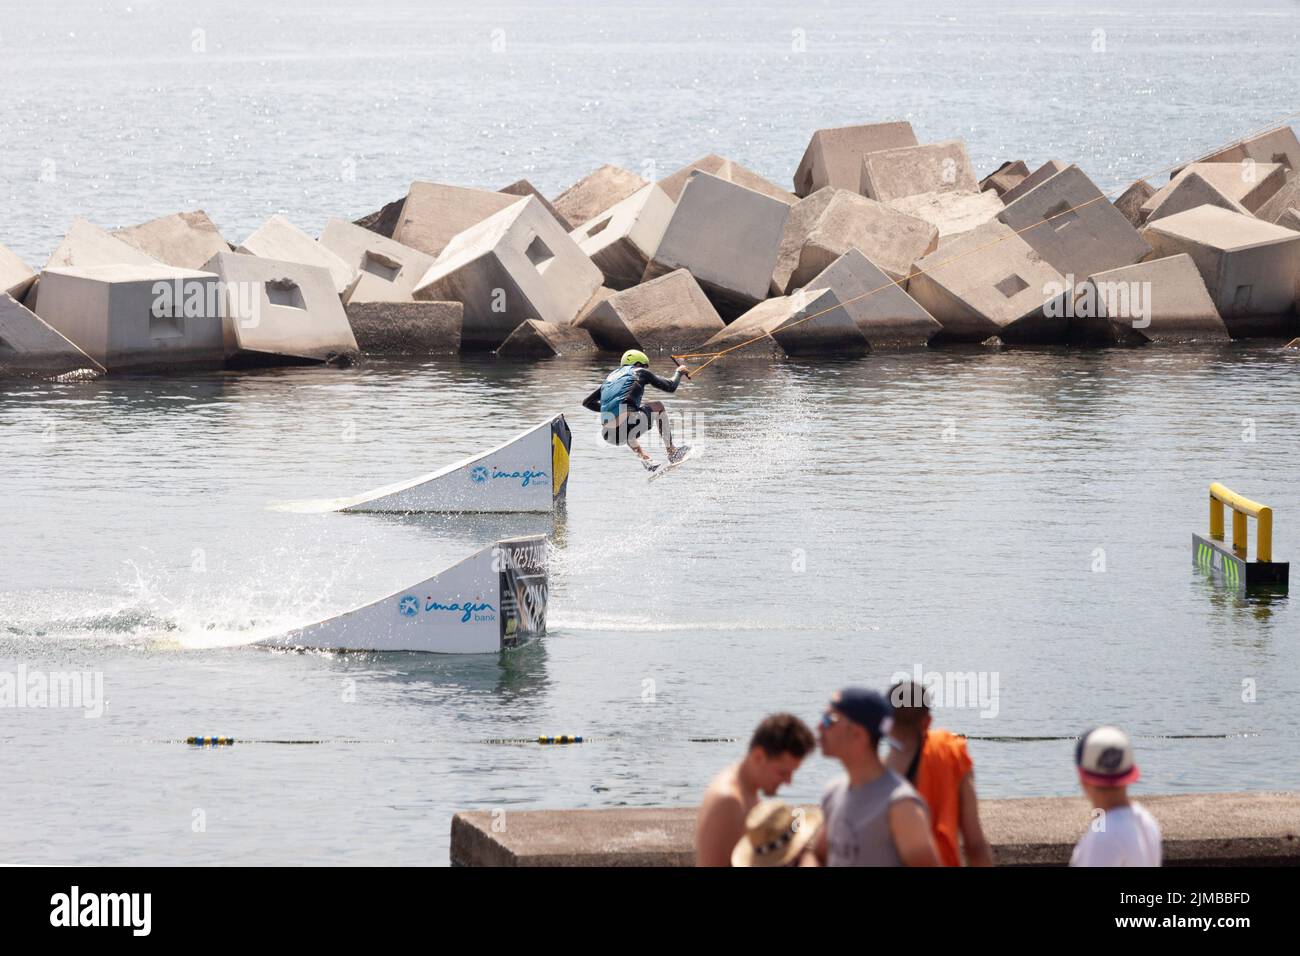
[(873, 815)]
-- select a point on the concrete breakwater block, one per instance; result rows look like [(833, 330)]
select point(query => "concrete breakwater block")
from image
[(185, 240), (1131, 201), (891, 239), (1252, 184), (756, 324), (386, 270), (1006, 177), (136, 317), (910, 170), (596, 192), (1160, 300), (279, 313), (727, 236), (383, 221), (280, 240), (1190, 191), (1250, 267), (1274, 146), (517, 264), (622, 240), (884, 313), (406, 328), (537, 339), (989, 282), (1288, 197), (833, 157), (1069, 222), (87, 245), (523, 188), (801, 220), (728, 170), (818, 325), (952, 213), (28, 346), (1039, 175), (16, 277), (670, 312), (433, 214), (1290, 220)]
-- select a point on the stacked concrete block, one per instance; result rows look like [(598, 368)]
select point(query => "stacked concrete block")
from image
[(727, 237), (911, 170), (593, 194), (537, 339), (15, 275), (732, 172), (891, 239), (885, 314), (280, 313), (806, 322), (952, 213), (515, 265), (834, 156), (185, 240), (1131, 201), (1251, 184), (1160, 300), (383, 221), (1275, 146), (1068, 222), (1039, 175), (989, 282), (668, 313), (434, 214), (1288, 197), (406, 328), (1290, 220), (1194, 190), (136, 317), (801, 221), (1005, 178), (281, 241), (386, 270), (28, 346), (1250, 267), (87, 245), (524, 188), (623, 239)]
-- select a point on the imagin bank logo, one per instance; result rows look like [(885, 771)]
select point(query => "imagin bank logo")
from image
[(409, 606), (481, 474), (75, 908)]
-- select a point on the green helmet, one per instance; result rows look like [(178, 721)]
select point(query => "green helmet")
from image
[(634, 357)]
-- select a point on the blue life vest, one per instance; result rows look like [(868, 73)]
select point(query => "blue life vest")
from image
[(614, 392)]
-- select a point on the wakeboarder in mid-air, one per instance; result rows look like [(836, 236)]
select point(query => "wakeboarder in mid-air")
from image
[(623, 416)]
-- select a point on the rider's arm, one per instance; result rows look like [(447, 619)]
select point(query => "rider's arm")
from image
[(648, 377)]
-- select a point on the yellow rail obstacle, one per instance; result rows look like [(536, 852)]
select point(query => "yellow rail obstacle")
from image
[(1230, 565)]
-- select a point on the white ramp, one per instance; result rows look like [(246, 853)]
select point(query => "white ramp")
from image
[(530, 472), (489, 602)]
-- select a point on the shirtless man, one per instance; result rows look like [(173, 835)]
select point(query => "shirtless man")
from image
[(775, 751)]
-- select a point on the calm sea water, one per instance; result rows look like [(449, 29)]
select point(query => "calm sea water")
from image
[(948, 511)]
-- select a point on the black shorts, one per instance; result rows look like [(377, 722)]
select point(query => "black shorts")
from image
[(633, 426)]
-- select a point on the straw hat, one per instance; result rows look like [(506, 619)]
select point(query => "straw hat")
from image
[(775, 835)]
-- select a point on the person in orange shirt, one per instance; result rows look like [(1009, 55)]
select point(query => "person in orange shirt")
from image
[(937, 764)]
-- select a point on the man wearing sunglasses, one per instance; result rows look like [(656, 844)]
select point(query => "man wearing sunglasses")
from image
[(874, 817)]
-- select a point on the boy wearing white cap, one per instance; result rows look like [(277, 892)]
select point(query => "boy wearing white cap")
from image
[(1125, 834)]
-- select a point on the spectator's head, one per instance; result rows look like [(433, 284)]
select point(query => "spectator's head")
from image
[(1104, 756), (910, 703), (775, 835), (776, 750), (853, 724)]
